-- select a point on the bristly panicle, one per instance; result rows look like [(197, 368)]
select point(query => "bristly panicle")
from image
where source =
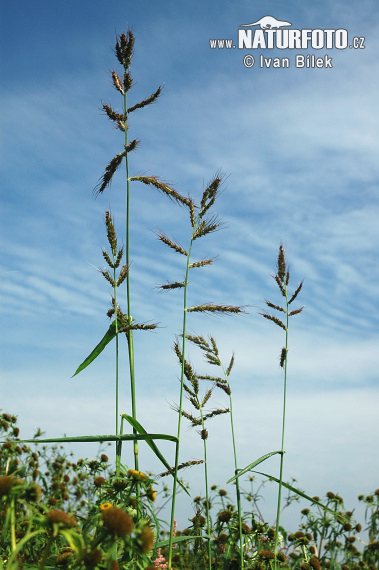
[(201, 263), (111, 233), (274, 320), (162, 187), (213, 309), (117, 261), (188, 370), (231, 363), (282, 278), (210, 195), (166, 240), (124, 48), (283, 357), (119, 257), (224, 387), (216, 413), (211, 378), (192, 213), (117, 82), (123, 275), (176, 285), (281, 263), (107, 277), (277, 307), (146, 101), (199, 341), (181, 466), (110, 169), (204, 433), (206, 227), (296, 293), (208, 394), (295, 312), (111, 114)]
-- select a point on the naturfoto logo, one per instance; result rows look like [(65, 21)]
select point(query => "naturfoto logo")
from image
[(270, 33)]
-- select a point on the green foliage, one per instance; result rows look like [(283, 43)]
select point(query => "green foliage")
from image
[(59, 513)]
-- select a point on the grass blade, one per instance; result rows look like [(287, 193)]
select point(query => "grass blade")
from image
[(137, 426), (92, 438), (109, 335), (298, 492), (254, 464)]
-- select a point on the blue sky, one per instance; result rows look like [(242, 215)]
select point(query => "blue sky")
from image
[(299, 149)]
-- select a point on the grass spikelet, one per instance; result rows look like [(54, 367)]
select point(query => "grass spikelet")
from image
[(176, 285), (117, 82), (215, 309), (162, 187), (181, 466), (224, 387), (281, 264), (209, 195), (112, 115), (194, 402), (111, 233), (146, 101), (277, 307), (229, 369), (295, 312), (189, 391), (107, 277), (201, 263), (283, 357), (208, 394), (131, 146), (216, 413), (107, 259), (275, 320), (206, 227), (124, 48), (296, 293), (192, 213), (119, 258), (280, 285), (110, 169), (123, 274), (198, 340), (166, 240)]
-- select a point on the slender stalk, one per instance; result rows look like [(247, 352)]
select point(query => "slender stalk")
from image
[(238, 493), (118, 444), (204, 438), (130, 333), (283, 431), (13, 524), (180, 408)]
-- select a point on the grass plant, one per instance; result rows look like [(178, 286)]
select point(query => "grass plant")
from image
[(58, 512)]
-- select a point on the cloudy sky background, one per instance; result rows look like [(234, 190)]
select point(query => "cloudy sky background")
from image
[(299, 151)]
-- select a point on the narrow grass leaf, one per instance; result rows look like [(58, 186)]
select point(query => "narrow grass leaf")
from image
[(109, 335), (254, 464), (298, 492), (100, 438), (137, 426), (178, 539)]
